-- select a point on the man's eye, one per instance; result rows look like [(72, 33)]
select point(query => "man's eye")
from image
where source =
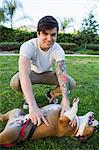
[(54, 34), (45, 33)]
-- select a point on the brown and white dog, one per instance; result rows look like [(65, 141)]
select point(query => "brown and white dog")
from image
[(19, 127)]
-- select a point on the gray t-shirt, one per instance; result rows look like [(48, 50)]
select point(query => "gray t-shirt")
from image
[(41, 61)]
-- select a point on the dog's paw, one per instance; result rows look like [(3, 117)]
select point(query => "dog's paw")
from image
[(76, 100)]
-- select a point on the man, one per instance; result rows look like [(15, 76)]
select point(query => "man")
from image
[(35, 61)]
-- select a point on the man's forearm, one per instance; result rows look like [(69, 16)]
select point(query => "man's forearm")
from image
[(62, 79), (27, 89)]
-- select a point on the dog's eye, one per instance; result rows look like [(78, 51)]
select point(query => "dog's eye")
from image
[(90, 121)]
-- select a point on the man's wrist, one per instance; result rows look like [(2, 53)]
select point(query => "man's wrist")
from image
[(32, 103)]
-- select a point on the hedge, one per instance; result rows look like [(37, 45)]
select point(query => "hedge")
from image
[(69, 46), (11, 35), (9, 46), (94, 47)]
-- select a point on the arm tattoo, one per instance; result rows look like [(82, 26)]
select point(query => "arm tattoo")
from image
[(62, 78)]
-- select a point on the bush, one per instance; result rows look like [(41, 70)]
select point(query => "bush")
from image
[(88, 51), (22, 36), (9, 46), (67, 38), (94, 47), (69, 46), (11, 35)]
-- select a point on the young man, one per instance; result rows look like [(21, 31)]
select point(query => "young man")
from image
[(35, 62)]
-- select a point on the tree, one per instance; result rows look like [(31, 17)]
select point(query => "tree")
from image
[(89, 29), (2, 16), (65, 24), (8, 10)]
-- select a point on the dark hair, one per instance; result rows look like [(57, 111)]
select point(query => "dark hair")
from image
[(47, 22)]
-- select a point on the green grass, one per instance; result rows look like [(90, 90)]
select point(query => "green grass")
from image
[(86, 73)]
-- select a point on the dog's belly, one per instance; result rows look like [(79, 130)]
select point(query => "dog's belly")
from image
[(17, 121), (52, 117)]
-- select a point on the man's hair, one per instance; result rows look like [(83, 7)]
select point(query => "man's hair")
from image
[(47, 22)]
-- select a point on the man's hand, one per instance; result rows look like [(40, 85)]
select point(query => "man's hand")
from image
[(73, 122), (65, 107), (36, 115)]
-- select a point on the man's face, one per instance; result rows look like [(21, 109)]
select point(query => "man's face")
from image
[(47, 38)]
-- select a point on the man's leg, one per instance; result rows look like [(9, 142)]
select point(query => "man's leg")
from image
[(49, 78), (43, 78), (71, 83), (15, 83)]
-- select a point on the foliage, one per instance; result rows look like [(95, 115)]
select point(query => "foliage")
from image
[(9, 8), (87, 51), (89, 29), (63, 38), (86, 73), (94, 47), (69, 46), (2, 16), (9, 46), (8, 11), (65, 24), (11, 35)]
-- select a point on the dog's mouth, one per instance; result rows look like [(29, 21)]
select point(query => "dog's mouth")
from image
[(86, 137), (92, 121)]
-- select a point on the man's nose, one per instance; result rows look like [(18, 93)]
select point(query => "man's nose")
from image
[(49, 38)]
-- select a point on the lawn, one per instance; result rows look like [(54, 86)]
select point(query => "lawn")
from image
[(85, 70)]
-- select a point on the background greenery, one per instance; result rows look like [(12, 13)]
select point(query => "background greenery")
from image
[(85, 40), (11, 40), (86, 73)]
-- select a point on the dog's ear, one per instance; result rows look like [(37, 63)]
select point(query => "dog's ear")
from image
[(81, 139)]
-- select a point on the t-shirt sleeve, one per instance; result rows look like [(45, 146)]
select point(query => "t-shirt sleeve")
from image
[(58, 54), (26, 50)]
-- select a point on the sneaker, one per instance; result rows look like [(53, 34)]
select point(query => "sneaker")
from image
[(52, 100), (25, 105)]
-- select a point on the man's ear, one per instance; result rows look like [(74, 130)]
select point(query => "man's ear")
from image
[(38, 33)]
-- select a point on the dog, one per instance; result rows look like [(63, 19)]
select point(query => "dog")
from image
[(20, 128)]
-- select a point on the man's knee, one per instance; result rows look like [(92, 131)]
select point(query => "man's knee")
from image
[(15, 82), (72, 83)]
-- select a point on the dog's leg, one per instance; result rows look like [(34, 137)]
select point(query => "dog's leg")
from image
[(9, 135), (5, 117), (73, 110), (10, 114)]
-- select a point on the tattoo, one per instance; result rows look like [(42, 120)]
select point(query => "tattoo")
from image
[(62, 78)]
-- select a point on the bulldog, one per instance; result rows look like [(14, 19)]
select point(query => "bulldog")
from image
[(20, 128)]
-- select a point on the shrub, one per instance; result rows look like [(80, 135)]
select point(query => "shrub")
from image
[(11, 35), (88, 51), (69, 46), (63, 37), (9, 46), (94, 47)]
